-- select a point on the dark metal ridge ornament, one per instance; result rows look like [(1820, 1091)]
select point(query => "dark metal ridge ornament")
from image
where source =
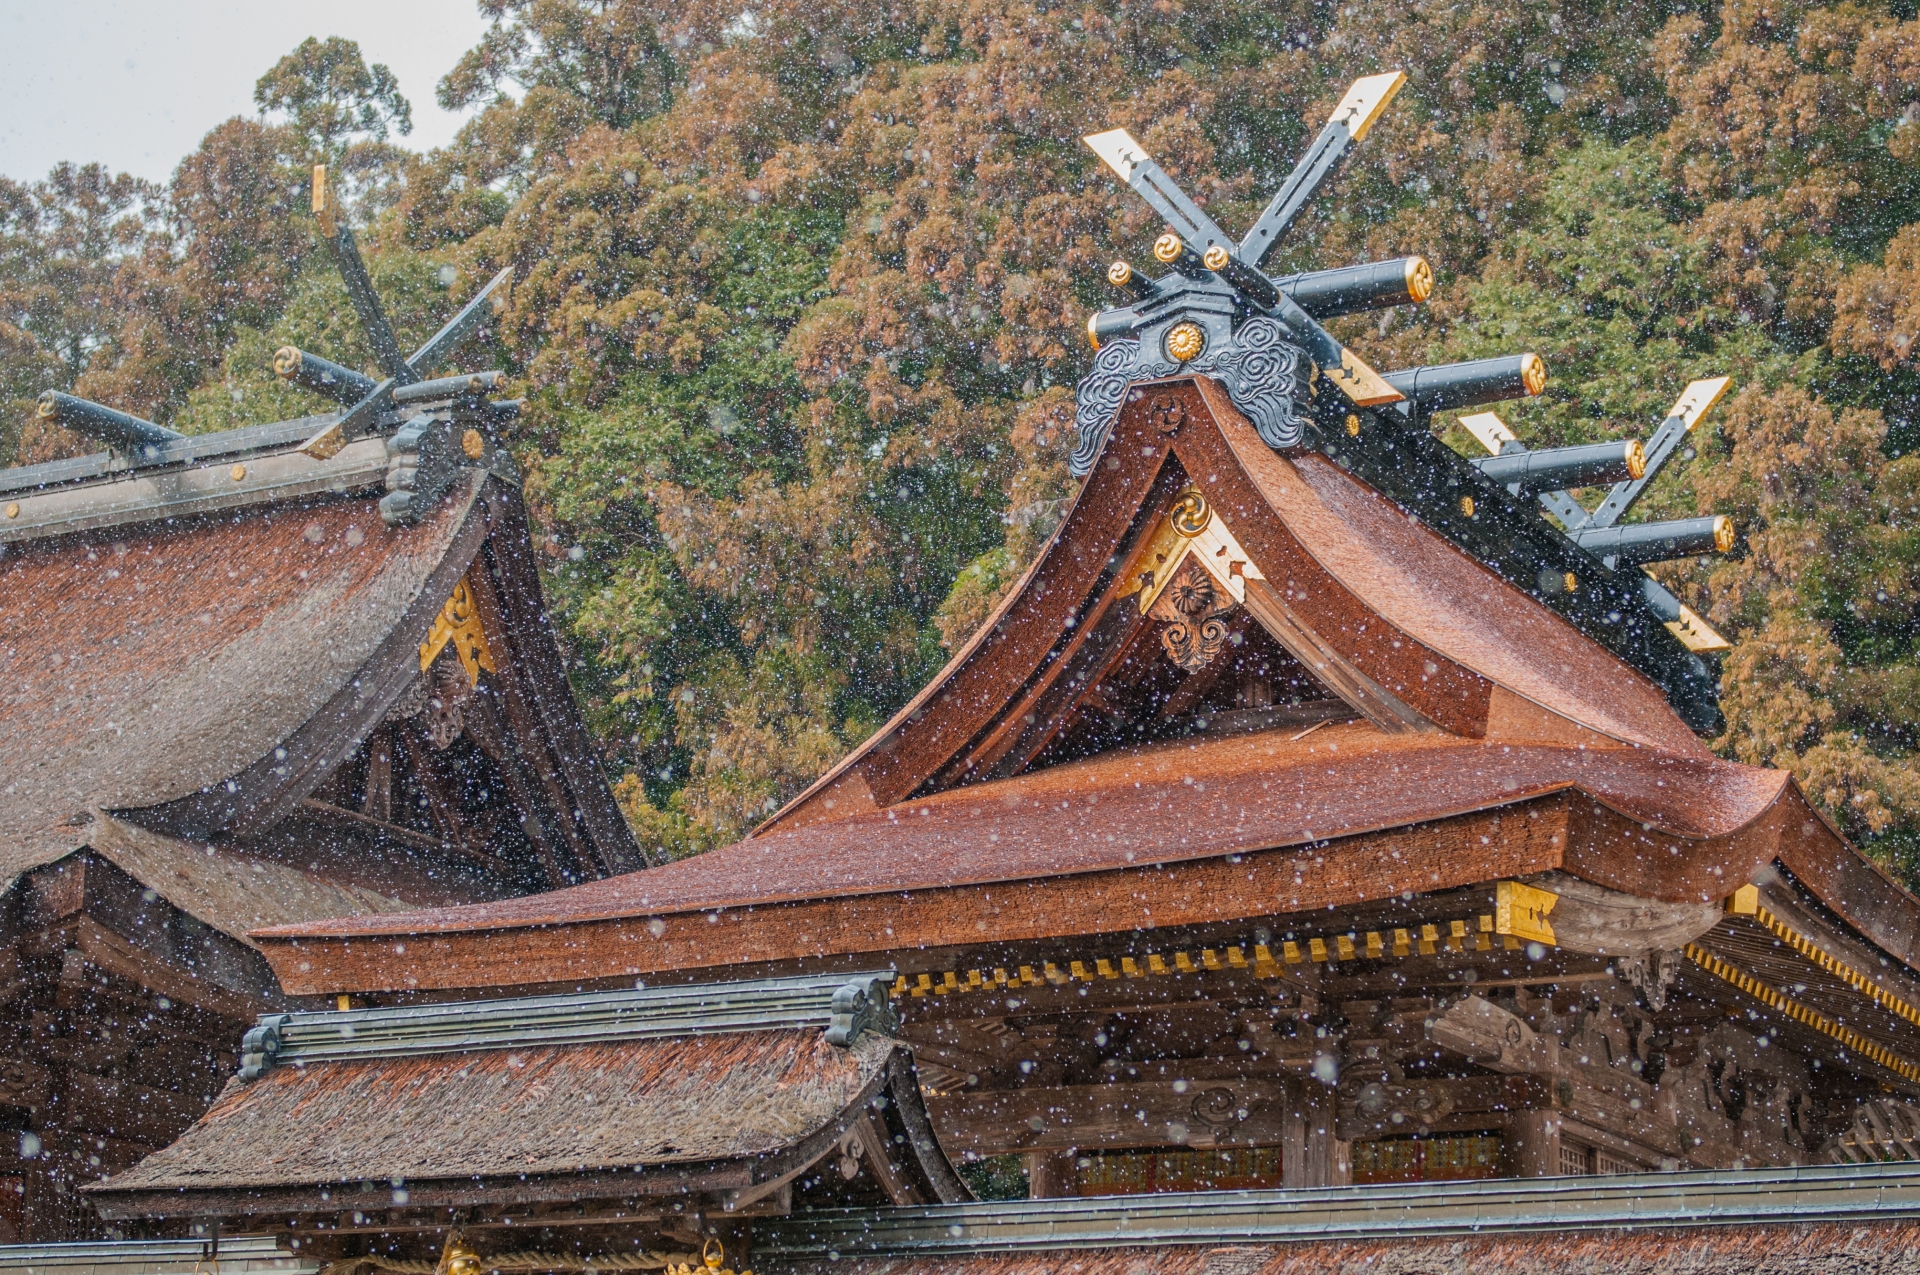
[(456, 426), (843, 1006), (1217, 312)]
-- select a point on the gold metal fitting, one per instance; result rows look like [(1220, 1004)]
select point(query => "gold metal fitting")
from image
[(1533, 373), (13, 509), (1119, 274), (1467, 506), (459, 1259), (1572, 582), (1185, 342), (1093, 333), (712, 1255), (323, 210), (238, 472), (1216, 258), (1723, 534), (1167, 248), (1636, 460), (1419, 279), (473, 445), (1353, 425), (286, 361), (47, 409), (1189, 515)]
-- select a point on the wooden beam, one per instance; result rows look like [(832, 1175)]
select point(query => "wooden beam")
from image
[(1333, 670), (24, 1084), (458, 835), (116, 1106), (1516, 840), (107, 951), (1176, 1113), (379, 828), (532, 749), (1455, 1104)]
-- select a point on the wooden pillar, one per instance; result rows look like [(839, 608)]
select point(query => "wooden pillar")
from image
[(1310, 1153), (1051, 1174), (1533, 1145)]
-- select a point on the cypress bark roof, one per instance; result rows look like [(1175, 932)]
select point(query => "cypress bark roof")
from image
[(991, 801), (149, 663), (537, 1110)]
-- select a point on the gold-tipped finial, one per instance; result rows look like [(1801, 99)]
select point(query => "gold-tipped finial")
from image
[(1636, 459), (1723, 534), (712, 1257), (1216, 258), (1119, 274), (286, 361), (1419, 279), (1533, 373), (458, 1258), (1093, 329), (323, 201), (1167, 248), (1185, 342), (48, 407)]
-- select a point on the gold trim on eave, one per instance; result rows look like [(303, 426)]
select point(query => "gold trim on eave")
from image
[(1793, 1009), (1746, 902), (1521, 910), (1481, 933), (459, 623), (1191, 528)]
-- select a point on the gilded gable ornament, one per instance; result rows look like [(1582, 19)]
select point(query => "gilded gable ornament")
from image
[(459, 624), (1191, 607)]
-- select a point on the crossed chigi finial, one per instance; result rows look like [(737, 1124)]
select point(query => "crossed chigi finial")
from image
[(1216, 311)]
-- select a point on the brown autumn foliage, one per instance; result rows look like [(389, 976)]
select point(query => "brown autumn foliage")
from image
[(799, 292)]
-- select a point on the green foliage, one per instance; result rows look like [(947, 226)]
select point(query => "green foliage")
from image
[(799, 292), (1000, 1177), (331, 97)]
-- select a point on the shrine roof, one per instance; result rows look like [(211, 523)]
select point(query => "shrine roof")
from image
[(1790, 1221), (188, 650), (1156, 804), (536, 1110), (727, 1093), (150, 662), (1445, 695)]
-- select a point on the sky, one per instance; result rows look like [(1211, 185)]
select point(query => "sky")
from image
[(135, 84)]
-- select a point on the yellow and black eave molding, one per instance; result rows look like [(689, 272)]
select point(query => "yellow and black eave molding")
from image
[(1519, 917)]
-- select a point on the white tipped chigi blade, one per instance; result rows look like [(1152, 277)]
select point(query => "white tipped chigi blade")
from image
[(1366, 101), (1118, 149), (1489, 429), (1698, 399)]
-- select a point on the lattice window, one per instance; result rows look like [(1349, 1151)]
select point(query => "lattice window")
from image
[(1576, 1159), (1442, 1159), (1144, 1172), (1604, 1162)]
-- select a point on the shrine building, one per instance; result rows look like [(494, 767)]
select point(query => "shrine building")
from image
[(1317, 862)]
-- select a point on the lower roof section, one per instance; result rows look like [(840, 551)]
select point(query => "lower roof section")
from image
[(1579, 1223), (233, 1254), (1127, 840), (664, 1114)]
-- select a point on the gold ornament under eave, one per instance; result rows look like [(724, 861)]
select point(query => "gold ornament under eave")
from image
[(459, 623), (712, 1254)]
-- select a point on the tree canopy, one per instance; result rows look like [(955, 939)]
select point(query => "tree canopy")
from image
[(799, 294)]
